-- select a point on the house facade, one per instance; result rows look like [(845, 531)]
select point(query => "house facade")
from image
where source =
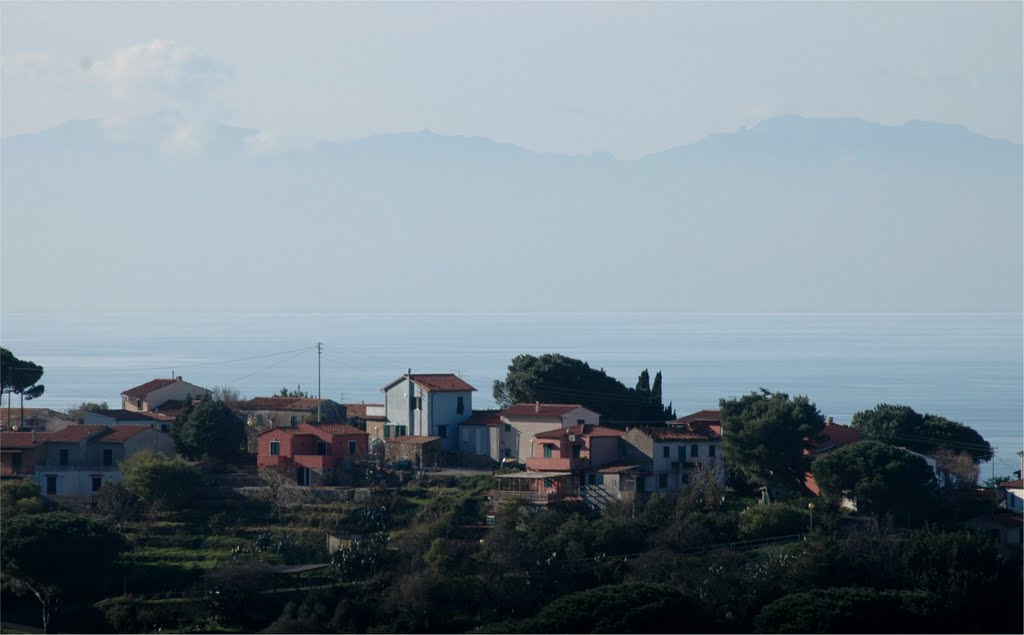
[(38, 419), (674, 453), (520, 423), (480, 435), (266, 413), (309, 454), (427, 405), (155, 393), (78, 460), (19, 452)]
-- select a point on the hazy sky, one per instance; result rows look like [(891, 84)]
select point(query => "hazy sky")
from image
[(625, 78)]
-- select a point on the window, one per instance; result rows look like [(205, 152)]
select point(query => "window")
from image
[(351, 447), (275, 448), (666, 451), (51, 484), (547, 451), (442, 431), (693, 450), (681, 453), (576, 451), (580, 422), (164, 427), (321, 448), (97, 483), (293, 420), (460, 406), (711, 450), (549, 483), (402, 430), (108, 456), (138, 404), (417, 403), (662, 481), (508, 453), (16, 462), (508, 427), (64, 457)]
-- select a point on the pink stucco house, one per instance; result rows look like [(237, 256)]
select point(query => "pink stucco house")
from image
[(311, 454)]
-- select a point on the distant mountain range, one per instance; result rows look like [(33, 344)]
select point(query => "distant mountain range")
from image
[(794, 214)]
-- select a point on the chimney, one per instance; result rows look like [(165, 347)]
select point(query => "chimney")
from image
[(828, 421)]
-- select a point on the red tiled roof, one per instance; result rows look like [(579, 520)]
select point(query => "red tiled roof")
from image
[(705, 416), (76, 434), (119, 434), (131, 415), (682, 432), (304, 404), (833, 436), (1013, 484), (21, 440), (490, 418), (413, 439), (144, 389), (618, 467), (359, 409), (440, 382), (583, 430), (539, 409), (337, 428)]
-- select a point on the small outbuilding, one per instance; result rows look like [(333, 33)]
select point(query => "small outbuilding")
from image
[(419, 451)]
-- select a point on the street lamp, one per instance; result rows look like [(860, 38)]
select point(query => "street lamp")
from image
[(810, 507)]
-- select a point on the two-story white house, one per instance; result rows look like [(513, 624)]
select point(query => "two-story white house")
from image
[(675, 452), (154, 394), (522, 421), (429, 405)]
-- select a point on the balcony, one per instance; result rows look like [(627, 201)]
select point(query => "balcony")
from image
[(76, 467)]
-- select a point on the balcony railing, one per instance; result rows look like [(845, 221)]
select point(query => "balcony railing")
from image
[(75, 467), (533, 497)]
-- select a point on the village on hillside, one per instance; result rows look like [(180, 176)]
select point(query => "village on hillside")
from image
[(173, 447)]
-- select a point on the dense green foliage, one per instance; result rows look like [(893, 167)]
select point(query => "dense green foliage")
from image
[(553, 378), (764, 433), (20, 496), (57, 555), (153, 477), (772, 519), (901, 425), (20, 376), (852, 610), (78, 412), (209, 430), (880, 478)]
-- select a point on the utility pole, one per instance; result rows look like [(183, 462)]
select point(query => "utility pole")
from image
[(319, 349)]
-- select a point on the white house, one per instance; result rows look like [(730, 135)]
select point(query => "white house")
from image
[(78, 460), (675, 453), (153, 394), (431, 405), (522, 421)]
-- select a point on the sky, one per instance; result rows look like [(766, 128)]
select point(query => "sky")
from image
[(574, 78)]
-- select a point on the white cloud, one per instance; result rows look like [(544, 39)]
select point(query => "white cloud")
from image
[(30, 65), (273, 140), (159, 65)]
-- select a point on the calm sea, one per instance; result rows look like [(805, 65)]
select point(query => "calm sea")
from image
[(967, 367)]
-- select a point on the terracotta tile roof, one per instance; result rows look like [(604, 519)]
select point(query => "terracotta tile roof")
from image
[(119, 434), (131, 415), (705, 416), (21, 440), (679, 432), (359, 409), (439, 382), (75, 434), (584, 430), (303, 404), (832, 437), (490, 418), (413, 439), (1012, 484), (619, 467), (144, 389), (337, 428), (539, 409)]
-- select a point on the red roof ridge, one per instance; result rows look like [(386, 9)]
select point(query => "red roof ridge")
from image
[(154, 384)]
